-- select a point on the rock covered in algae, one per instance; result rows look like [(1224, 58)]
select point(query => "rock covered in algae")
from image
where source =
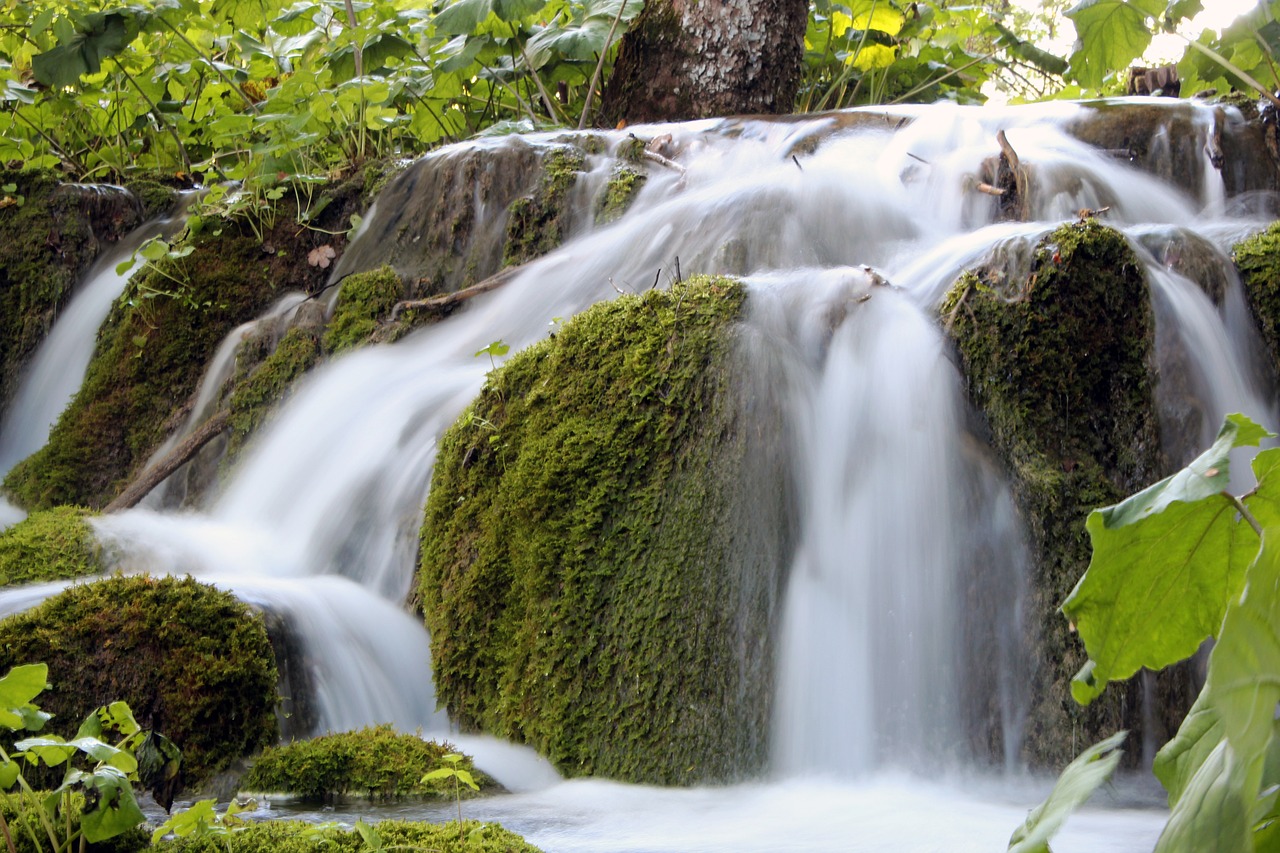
[(1258, 259), (192, 662), (295, 836), (376, 762), (1060, 364), (589, 583)]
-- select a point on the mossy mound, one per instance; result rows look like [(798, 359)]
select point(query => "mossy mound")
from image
[(365, 299), (152, 354), (46, 243), (538, 222), (297, 836), (1061, 366), (55, 544), (1258, 260), (586, 583), (625, 182), (192, 662), (255, 395), (378, 763)]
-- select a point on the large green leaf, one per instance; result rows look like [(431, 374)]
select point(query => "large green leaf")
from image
[(96, 37), (18, 687), (1076, 784), (1179, 760), (1165, 564), (462, 17), (1110, 34), (110, 808), (1213, 813)]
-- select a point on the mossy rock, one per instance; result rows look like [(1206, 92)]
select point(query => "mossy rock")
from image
[(192, 662), (588, 588), (539, 222), (378, 763), (151, 356), (256, 394), (1258, 259), (625, 182), (1061, 366), (46, 244), (55, 544), (297, 836), (365, 299)]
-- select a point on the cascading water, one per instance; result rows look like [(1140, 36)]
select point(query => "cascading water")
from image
[(900, 510)]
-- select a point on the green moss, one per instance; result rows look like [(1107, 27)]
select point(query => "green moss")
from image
[(254, 396), (365, 299), (581, 575), (1060, 365), (621, 190), (1258, 259), (303, 837), (149, 361), (55, 544), (46, 243), (377, 763), (192, 662), (536, 223), (157, 198)]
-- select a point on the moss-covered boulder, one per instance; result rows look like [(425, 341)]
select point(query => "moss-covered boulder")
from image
[(378, 763), (538, 222), (1258, 259), (55, 544), (50, 232), (192, 662), (297, 836), (589, 587), (365, 299), (1061, 365)]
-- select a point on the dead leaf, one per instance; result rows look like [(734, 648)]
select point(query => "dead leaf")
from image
[(321, 256)]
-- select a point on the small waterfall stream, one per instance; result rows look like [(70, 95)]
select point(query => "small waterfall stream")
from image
[(847, 252)]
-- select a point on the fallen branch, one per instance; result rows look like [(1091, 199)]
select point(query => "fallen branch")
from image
[(179, 456), (444, 302), (664, 161), (983, 187)]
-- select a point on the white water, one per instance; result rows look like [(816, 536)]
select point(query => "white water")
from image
[(321, 518)]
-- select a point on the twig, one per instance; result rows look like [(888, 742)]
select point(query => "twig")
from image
[(1009, 153), (984, 187), (442, 303), (663, 161), (176, 458), (796, 160)]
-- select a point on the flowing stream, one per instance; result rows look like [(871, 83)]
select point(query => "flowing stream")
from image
[(847, 249)]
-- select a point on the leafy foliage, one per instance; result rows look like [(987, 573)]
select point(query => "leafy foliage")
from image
[(1178, 562), (1076, 784)]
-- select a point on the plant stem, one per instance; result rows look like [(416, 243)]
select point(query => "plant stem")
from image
[(155, 111), (595, 77), (1244, 512), (1229, 66), (359, 51), (253, 108)]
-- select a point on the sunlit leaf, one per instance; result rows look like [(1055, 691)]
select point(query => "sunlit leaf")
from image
[(1213, 812), (1110, 35), (1076, 784), (110, 808), (18, 687)]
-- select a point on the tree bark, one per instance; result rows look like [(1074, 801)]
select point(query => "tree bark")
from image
[(685, 59)]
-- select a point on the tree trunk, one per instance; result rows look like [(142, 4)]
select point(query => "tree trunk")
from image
[(686, 59)]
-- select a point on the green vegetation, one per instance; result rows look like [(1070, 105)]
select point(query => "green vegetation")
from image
[(621, 190), (1181, 562), (1074, 433), (365, 299), (377, 763), (302, 837), (577, 572), (1258, 259), (255, 395), (536, 223), (54, 544), (192, 661)]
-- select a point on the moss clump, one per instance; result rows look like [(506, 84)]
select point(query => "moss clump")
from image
[(302, 837), (46, 243), (621, 190), (55, 544), (254, 396), (1258, 259), (365, 298), (192, 662), (536, 223), (582, 574), (157, 199), (378, 763), (1060, 365)]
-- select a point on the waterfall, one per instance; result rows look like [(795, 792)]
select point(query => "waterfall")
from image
[(904, 598)]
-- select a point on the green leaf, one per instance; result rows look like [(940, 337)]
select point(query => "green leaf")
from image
[(438, 773), (1179, 760), (1165, 564), (8, 774), (110, 807), (370, 836), (467, 779), (18, 687), (1076, 784), (376, 53), (96, 37), (192, 821), (1110, 35), (1213, 812), (1180, 10), (159, 766)]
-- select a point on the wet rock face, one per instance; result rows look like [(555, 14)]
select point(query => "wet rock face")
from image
[(1060, 365)]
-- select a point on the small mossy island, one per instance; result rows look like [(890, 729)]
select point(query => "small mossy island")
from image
[(1258, 259), (288, 836), (365, 299), (192, 662), (55, 544), (378, 763), (1060, 364), (579, 572)]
